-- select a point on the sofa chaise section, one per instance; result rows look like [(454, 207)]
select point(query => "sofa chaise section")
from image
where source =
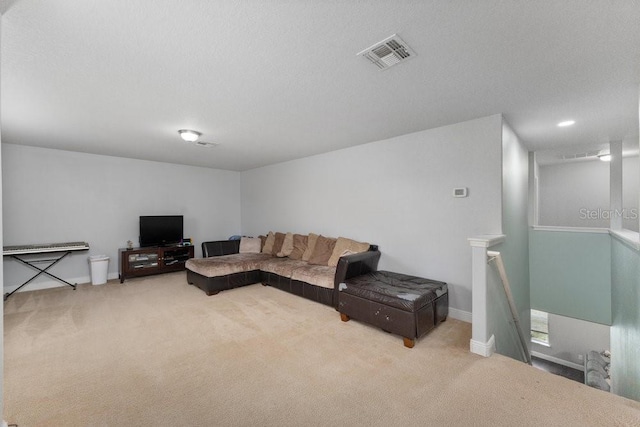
[(205, 274)]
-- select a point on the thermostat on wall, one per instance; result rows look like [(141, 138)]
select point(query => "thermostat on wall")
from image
[(460, 192)]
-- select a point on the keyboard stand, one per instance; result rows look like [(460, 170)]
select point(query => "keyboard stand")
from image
[(53, 262)]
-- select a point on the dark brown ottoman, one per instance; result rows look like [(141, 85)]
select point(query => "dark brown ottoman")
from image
[(405, 305)]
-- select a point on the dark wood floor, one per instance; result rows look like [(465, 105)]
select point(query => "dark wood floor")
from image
[(554, 368)]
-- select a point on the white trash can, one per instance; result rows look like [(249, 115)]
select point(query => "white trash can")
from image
[(99, 268)]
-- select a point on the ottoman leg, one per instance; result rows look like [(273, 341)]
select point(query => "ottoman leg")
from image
[(344, 317), (409, 343)]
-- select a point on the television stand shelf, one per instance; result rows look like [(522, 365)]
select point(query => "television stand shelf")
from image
[(152, 260)]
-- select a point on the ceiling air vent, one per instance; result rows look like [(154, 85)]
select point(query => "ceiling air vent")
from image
[(579, 156), (388, 52)]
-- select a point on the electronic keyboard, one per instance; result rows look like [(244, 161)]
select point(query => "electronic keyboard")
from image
[(45, 248)]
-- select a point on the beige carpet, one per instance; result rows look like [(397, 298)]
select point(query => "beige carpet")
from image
[(156, 351)]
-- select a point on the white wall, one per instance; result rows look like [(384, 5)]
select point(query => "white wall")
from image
[(60, 196), (631, 191), (566, 188), (569, 338), (395, 193), (514, 250)]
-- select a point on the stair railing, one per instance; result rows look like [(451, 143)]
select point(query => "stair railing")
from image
[(495, 256)]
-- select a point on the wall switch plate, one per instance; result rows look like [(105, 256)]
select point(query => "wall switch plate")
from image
[(460, 192), (580, 358)]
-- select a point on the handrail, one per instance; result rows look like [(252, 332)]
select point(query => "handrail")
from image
[(493, 255)]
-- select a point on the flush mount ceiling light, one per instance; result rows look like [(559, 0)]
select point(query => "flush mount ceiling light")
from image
[(189, 135), (566, 123), (605, 157)]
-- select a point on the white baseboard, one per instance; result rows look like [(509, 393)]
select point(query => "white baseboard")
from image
[(465, 316), (558, 361), (55, 284), (483, 349)]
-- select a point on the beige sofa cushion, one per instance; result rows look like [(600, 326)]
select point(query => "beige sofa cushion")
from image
[(299, 246), (277, 243), (319, 275), (282, 266), (268, 243), (344, 247), (287, 245), (311, 243), (226, 264), (250, 245), (322, 250)]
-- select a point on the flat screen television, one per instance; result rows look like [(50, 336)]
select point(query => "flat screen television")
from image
[(161, 230)]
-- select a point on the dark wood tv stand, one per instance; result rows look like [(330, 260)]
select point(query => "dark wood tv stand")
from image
[(152, 260)]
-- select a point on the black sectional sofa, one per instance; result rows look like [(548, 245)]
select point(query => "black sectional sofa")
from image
[(223, 267)]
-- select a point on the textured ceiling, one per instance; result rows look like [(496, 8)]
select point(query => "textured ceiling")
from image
[(272, 81)]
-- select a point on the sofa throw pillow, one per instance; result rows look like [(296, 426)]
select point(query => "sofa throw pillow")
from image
[(250, 245), (322, 250), (344, 247), (311, 242), (277, 243), (287, 245), (263, 239), (299, 246), (268, 243)]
